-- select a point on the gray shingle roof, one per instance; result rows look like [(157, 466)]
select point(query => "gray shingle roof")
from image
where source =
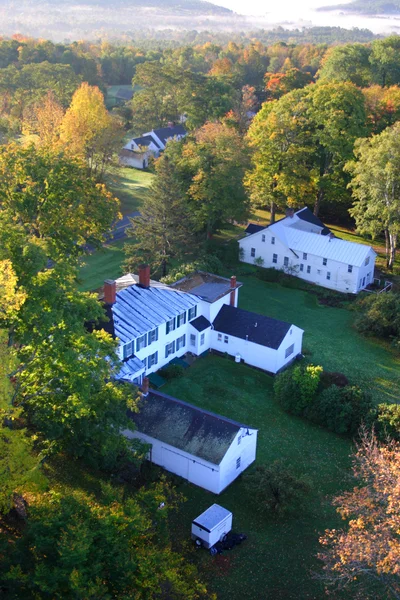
[(165, 133), (251, 326), (201, 323), (254, 228), (186, 427)]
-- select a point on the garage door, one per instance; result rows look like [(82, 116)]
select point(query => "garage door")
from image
[(175, 462)]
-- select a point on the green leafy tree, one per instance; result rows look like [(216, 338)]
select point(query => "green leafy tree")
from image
[(163, 231), (49, 199), (376, 187), (347, 63), (276, 489), (385, 61), (379, 315), (77, 547), (210, 167)]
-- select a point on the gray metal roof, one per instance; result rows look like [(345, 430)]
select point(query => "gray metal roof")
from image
[(138, 310), (130, 369), (207, 286), (212, 517)]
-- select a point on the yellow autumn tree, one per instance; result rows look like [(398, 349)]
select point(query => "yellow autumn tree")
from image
[(44, 121), (88, 131)]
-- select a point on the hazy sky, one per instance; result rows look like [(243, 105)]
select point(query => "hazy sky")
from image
[(295, 13)]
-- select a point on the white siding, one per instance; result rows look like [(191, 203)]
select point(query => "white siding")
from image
[(256, 355), (245, 450), (340, 278)]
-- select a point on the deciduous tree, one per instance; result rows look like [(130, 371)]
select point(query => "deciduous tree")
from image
[(376, 187), (364, 557)]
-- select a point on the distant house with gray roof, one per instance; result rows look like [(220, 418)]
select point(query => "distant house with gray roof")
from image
[(207, 449), (138, 151)]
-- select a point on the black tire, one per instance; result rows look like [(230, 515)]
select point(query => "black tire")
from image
[(198, 542)]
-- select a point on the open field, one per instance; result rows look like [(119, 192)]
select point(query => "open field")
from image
[(276, 560), (101, 265)]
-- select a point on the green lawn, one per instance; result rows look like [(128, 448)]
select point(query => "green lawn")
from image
[(130, 186), (101, 265), (329, 338), (276, 560)]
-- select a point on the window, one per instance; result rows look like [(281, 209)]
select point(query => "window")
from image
[(180, 342), (170, 326), (263, 237), (202, 339), (192, 313), (366, 261), (128, 349), (273, 241), (253, 252), (239, 439), (324, 261), (304, 255), (152, 336), (328, 275), (238, 461), (192, 339), (289, 351), (220, 337), (169, 349), (286, 261), (275, 258), (226, 339), (350, 268), (181, 319), (364, 282), (308, 269), (152, 360), (141, 343), (301, 267)]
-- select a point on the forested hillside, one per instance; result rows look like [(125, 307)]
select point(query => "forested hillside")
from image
[(367, 7), (175, 6)]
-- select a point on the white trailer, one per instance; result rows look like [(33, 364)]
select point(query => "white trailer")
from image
[(211, 526)]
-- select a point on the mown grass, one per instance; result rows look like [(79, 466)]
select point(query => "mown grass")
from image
[(103, 264), (130, 186), (277, 559)]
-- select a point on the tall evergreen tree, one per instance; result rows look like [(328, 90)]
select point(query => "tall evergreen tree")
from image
[(163, 231)]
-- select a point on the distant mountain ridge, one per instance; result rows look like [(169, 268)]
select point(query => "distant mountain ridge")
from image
[(175, 6), (367, 7)]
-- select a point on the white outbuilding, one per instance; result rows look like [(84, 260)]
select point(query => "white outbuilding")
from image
[(302, 246), (204, 448), (211, 526)]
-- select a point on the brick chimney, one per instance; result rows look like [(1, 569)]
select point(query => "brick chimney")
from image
[(110, 291), (144, 276), (145, 387), (233, 292)]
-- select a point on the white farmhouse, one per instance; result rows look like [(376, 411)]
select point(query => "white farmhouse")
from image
[(156, 323), (138, 151), (205, 448), (302, 246)]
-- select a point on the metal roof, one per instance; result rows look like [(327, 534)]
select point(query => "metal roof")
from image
[(130, 369), (207, 286), (138, 310), (332, 248), (212, 517)]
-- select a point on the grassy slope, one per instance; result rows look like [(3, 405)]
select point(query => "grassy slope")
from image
[(130, 186), (276, 560), (104, 264)]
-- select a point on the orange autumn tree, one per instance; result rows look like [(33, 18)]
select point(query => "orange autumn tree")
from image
[(364, 558)]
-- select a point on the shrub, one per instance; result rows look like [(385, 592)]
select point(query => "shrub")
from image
[(341, 409), (206, 262), (295, 389), (270, 275), (327, 379), (275, 488), (387, 422), (379, 315), (172, 372)]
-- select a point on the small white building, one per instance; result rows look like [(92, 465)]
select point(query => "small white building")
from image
[(138, 151), (302, 246), (211, 526), (156, 323), (204, 448)]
